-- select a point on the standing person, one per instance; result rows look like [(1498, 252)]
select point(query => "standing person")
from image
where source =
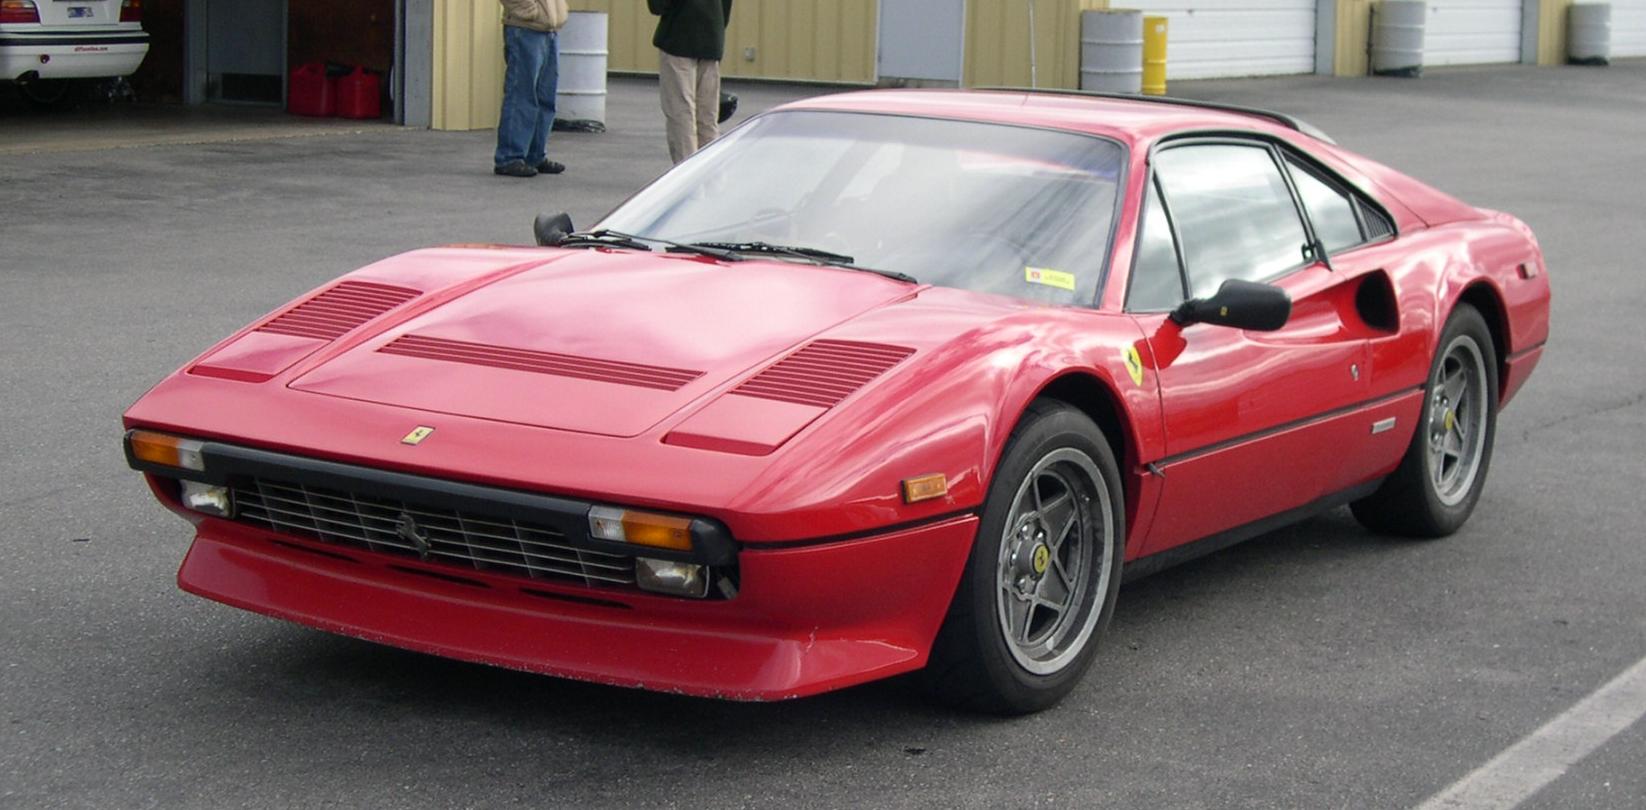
[(690, 39), (531, 50)]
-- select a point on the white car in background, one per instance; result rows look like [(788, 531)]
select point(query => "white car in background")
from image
[(50, 47)]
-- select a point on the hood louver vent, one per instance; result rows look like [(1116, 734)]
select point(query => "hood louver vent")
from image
[(562, 365), (823, 372), (336, 311)]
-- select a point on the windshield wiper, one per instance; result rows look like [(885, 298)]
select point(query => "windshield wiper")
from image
[(813, 255), (609, 238), (781, 250)]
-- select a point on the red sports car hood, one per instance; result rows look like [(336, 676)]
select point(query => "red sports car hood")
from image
[(602, 342)]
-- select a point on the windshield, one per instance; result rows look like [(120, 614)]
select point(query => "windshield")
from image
[(985, 207)]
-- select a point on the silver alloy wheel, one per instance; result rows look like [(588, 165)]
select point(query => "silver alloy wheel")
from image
[(1457, 420), (1057, 540)]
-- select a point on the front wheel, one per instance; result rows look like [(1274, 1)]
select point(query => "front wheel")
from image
[(1438, 482), (1040, 584)]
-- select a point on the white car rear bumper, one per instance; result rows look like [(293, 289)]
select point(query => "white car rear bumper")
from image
[(54, 54)]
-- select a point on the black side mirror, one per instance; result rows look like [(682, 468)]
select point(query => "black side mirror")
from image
[(728, 106), (1241, 304), (551, 229)]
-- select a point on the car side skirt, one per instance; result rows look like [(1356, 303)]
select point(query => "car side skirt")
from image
[(1160, 561)]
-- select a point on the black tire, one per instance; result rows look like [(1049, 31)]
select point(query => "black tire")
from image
[(51, 94), (1416, 501), (1055, 449)]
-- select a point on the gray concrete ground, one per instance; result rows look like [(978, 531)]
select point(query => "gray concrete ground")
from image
[(1318, 666)]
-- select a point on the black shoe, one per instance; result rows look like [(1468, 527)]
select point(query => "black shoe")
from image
[(550, 167), (515, 168)]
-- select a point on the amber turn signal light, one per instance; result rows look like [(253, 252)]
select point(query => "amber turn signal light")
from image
[(167, 451), (641, 528), (925, 487)]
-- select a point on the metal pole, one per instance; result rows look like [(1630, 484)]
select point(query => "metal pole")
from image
[(1033, 78)]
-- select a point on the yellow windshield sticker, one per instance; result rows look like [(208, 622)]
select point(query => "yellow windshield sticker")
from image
[(1050, 278), (1134, 365)]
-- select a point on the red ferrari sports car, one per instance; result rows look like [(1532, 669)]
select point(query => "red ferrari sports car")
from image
[(878, 382)]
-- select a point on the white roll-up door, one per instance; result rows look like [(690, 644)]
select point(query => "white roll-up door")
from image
[(1628, 28), (1213, 38), (1472, 32)]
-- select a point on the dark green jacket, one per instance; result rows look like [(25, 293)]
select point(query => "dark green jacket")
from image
[(695, 29)]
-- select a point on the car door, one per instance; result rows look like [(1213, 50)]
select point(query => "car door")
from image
[(1256, 423)]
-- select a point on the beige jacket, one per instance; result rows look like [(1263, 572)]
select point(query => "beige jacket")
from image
[(538, 15)]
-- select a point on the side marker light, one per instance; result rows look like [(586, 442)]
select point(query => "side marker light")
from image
[(925, 488)]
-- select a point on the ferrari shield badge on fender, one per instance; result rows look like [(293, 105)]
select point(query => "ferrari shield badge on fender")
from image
[(1134, 365), (417, 435)]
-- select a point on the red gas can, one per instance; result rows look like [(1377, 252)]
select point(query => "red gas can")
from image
[(358, 95), (310, 92)]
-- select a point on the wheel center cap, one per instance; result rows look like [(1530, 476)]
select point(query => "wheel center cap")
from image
[(1451, 419), (1041, 558)]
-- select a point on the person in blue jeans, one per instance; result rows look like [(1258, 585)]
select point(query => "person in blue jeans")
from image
[(531, 51)]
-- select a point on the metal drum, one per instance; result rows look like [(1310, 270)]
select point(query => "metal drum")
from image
[(1589, 33), (1111, 51), (1397, 37), (581, 94)]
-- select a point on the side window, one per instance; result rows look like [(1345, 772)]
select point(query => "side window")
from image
[(1157, 279), (1331, 211), (1234, 213)]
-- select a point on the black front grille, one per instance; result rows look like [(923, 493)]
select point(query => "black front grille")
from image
[(436, 534)]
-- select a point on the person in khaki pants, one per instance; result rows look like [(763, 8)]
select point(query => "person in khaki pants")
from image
[(531, 53), (690, 40)]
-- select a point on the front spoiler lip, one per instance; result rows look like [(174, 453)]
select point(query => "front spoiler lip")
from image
[(811, 620)]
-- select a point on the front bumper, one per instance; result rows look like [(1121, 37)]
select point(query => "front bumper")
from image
[(807, 619), (74, 55)]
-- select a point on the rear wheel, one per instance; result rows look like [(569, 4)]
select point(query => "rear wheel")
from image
[(1438, 482), (1043, 574), (50, 94)]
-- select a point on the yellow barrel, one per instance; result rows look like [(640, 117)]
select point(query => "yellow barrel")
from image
[(1154, 56)]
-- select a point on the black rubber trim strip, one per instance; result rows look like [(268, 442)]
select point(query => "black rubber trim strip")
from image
[(778, 545), (15, 41), (1166, 461), (1160, 561), (225, 463)]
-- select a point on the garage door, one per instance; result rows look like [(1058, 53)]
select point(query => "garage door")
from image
[(1472, 32), (1628, 28), (1209, 38)]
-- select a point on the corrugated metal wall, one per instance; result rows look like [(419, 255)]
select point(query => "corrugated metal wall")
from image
[(790, 39), (997, 42), (467, 91), (1551, 31), (1352, 38)]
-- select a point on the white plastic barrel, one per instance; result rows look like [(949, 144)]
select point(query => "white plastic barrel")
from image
[(1111, 51), (1589, 33), (1397, 37), (581, 94)]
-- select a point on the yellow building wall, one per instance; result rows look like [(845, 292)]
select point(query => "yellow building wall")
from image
[(467, 90), (997, 42), (1352, 38), (801, 40), (1551, 31)]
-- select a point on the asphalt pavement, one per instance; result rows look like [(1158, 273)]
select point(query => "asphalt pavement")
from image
[(1318, 666)]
